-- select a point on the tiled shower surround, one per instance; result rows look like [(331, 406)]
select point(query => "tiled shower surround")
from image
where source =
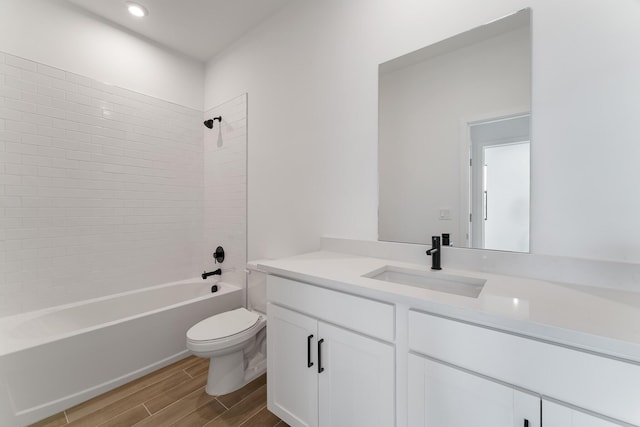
[(101, 188), (225, 183)]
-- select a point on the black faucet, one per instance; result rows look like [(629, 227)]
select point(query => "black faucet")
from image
[(211, 273), (434, 252)]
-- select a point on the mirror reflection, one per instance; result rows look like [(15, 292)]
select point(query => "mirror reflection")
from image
[(454, 139)]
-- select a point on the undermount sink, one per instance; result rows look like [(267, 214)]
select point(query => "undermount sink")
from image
[(435, 281)]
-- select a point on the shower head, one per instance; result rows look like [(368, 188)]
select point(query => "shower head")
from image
[(209, 123)]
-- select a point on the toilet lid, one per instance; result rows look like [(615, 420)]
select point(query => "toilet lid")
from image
[(223, 325)]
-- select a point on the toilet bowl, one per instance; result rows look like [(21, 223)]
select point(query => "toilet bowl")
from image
[(234, 342)]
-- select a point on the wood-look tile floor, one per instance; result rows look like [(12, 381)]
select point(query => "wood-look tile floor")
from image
[(172, 396)]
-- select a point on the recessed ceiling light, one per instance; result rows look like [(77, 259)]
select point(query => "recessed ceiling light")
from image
[(137, 10)]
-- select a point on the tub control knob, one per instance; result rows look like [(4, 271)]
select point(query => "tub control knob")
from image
[(218, 255)]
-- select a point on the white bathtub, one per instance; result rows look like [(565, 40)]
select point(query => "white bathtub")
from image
[(55, 358)]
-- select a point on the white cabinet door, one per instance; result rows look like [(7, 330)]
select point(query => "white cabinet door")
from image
[(356, 385), (555, 415), (440, 395), (292, 388)]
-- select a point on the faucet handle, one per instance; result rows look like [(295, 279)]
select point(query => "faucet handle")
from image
[(218, 255), (435, 245)]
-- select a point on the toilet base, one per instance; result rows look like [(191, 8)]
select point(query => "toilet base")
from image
[(226, 374)]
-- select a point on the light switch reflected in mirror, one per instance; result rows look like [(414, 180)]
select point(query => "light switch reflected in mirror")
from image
[(454, 139)]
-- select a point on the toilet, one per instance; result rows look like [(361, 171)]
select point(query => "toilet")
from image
[(234, 341)]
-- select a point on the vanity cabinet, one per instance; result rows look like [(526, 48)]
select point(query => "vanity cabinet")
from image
[(556, 415), (321, 371), (339, 359), (455, 364), (440, 395)]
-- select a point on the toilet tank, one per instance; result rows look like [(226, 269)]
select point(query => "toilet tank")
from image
[(256, 287)]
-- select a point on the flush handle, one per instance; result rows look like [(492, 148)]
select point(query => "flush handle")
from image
[(309, 362), (320, 368)]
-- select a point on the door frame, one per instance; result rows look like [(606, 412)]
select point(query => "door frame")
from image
[(465, 148)]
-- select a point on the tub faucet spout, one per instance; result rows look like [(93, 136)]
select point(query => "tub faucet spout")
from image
[(211, 273)]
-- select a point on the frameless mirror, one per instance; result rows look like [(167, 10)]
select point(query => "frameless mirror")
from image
[(453, 148)]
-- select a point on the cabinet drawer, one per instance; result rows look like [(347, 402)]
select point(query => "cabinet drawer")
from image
[(589, 381), (373, 318)]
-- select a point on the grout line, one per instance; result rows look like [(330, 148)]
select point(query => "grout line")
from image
[(147, 409), (174, 402), (245, 398), (200, 389), (212, 420), (202, 406), (223, 405), (121, 413), (244, 423)]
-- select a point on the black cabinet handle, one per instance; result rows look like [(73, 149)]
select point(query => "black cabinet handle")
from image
[(309, 362), (526, 423), (320, 368)]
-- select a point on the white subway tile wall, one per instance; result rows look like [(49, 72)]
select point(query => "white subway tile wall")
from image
[(102, 189), (225, 188)]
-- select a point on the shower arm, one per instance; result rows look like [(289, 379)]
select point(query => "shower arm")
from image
[(209, 123)]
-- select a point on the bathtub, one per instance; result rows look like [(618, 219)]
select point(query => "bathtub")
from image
[(54, 358)]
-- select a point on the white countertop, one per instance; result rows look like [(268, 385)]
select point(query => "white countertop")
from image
[(601, 320)]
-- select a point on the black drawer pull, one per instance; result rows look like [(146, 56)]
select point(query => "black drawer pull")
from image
[(309, 362), (526, 423), (320, 368)]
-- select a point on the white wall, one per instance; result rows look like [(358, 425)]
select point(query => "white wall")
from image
[(585, 147), (311, 72), (422, 110), (58, 34)]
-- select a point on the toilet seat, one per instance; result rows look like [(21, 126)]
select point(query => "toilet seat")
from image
[(224, 330)]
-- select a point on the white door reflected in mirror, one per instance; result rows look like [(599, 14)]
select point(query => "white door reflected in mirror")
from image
[(499, 171), (507, 187)]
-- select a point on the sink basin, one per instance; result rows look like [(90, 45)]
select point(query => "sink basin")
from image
[(435, 281)]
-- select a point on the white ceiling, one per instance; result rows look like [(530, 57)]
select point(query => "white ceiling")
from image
[(197, 28)]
